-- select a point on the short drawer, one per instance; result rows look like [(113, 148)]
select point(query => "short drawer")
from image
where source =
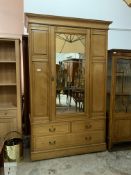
[(49, 129), (88, 125), (8, 112), (50, 142), (88, 138)]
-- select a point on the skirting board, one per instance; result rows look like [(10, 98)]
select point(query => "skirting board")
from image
[(67, 151)]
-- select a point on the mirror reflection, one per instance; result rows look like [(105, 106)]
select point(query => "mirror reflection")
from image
[(70, 73)]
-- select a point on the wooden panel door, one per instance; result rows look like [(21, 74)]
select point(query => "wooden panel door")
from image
[(39, 72), (40, 90), (98, 87), (39, 42), (122, 130), (98, 72)]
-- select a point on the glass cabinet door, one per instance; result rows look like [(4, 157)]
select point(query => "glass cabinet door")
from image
[(70, 73), (123, 85)]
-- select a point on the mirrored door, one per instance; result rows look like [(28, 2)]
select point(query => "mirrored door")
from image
[(70, 73)]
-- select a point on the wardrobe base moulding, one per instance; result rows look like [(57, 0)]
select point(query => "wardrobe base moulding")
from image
[(68, 151)]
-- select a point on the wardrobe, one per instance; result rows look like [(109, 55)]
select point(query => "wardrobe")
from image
[(67, 117)]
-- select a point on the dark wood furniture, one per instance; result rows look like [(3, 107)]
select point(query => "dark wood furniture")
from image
[(119, 96)]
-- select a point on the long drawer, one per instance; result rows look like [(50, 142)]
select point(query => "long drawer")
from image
[(59, 141), (88, 125), (50, 129)]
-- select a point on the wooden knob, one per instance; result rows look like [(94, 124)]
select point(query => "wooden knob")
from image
[(88, 138), (88, 126), (52, 129), (52, 142)]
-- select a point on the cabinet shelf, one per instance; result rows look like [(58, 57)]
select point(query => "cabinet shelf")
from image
[(120, 94), (7, 84), (7, 61), (7, 74), (123, 76)]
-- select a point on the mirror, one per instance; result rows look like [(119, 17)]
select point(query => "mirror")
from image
[(70, 73)]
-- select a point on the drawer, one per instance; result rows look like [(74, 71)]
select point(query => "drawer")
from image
[(88, 138), (88, 125), (60, 141), (50, 142), (8, 112), (7, 125), (48, 129)]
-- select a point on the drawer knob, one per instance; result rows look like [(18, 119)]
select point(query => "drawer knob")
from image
[(52, 129), (52, 142), (88, 138), (88, 126), (5, 113), (52, 78)]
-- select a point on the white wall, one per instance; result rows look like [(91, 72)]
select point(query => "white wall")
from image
[(11, 18), (111, 10), (12, 22)]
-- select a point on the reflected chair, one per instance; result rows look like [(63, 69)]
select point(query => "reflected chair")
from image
[(78, 96)]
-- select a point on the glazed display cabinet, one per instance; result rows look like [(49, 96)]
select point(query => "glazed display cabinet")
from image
[(10, 94), (67, 63), (119, 96)]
